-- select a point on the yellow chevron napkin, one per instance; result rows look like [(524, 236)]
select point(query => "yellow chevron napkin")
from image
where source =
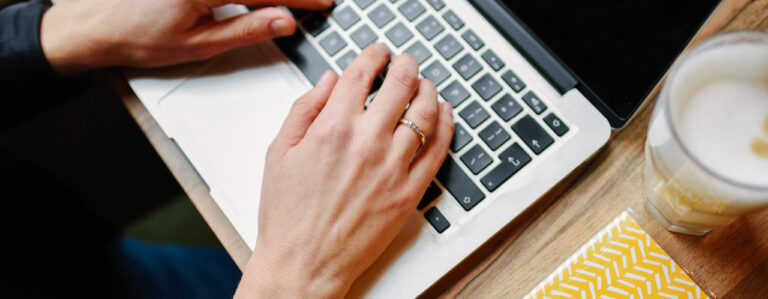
[(622, 261)]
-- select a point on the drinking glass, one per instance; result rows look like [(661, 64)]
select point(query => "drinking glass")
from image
[(691, 189)]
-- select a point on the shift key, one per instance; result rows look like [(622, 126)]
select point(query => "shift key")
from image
[(459, 184)]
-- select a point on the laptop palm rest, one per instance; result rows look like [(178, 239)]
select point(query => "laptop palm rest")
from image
[(225, 116)]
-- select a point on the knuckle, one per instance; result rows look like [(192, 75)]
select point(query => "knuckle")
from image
[(357, 75), (303, 103), (405, 77), (428, 112), (331, 132), (402, 204), (247, 32), (272, 150), (367, 149)]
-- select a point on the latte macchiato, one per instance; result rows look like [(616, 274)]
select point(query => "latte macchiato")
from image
[(705, 154)]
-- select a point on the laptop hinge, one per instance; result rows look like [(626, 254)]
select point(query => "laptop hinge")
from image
[(516, 33)]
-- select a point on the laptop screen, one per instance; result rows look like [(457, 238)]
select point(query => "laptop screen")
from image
[(617, 48)]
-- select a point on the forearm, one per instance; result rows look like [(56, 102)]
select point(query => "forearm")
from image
[(67, 41)]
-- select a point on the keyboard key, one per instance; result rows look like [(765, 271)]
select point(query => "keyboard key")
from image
[(492, 60), (364, 3), (452, 19), (459, 184), (494, 135), (345, 60), (534, 102), (436, 72), (460, 138), (476, 159), (430, 27), (486, 87), (471, 38), (411, 9), (345, 17), (507, 107), (363, 36), (474, 114), (436, 4), (316, 23), (448, 47), (512, 160), (436, 219), (381, 16), (304, 55), (433, 191), (333, 43), (556, 124), (467, 67), (513, 81), (454, 93), (399, 34), (529, 130), (419, 51)]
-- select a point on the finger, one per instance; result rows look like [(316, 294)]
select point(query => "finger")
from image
[(303, 114), (398, 89), (422, 112), (355, 83), (431, 157), (259, 25), (307, 4)]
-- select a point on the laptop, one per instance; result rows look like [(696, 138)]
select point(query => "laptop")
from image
[(537, 88)]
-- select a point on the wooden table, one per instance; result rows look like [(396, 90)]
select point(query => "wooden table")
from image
[(728, 262)]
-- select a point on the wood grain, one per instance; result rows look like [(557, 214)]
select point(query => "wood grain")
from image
[(729, 262)]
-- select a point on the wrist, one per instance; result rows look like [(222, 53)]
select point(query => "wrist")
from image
[(269, 276), (67, 40)]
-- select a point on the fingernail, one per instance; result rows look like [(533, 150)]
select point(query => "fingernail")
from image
[(280, 28), (381, 48), (324, 78)]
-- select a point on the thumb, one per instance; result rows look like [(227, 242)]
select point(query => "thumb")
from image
[(303, 114), (256, 26)]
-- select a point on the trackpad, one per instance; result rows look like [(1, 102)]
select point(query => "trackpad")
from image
[(225, 117)]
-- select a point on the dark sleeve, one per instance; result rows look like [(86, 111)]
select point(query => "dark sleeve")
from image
[(28, 84)]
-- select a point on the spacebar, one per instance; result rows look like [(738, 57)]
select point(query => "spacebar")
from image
[(304, 55)]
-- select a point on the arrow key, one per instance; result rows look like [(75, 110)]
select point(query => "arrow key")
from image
[(529, 130)]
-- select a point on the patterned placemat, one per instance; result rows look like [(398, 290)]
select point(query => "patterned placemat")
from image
[(621, 261)]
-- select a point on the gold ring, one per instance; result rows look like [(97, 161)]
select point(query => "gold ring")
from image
[(416, 129)]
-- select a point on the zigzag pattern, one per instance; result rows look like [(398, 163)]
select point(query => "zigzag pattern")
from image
[(622, 261)]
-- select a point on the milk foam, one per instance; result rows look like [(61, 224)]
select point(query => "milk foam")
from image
[(720, 102)]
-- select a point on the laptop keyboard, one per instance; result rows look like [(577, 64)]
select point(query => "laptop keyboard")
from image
[(501, 123)]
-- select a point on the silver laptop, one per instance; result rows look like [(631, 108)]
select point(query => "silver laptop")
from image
[(537, 87)]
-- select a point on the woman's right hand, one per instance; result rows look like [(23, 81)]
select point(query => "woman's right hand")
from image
[(341, 180)]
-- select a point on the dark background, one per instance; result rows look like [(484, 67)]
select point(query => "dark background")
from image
[(619, 48)]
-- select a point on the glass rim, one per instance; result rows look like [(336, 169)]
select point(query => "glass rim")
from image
[(713, 41)]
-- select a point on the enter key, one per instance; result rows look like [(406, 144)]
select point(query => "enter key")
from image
[(513, 159)]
